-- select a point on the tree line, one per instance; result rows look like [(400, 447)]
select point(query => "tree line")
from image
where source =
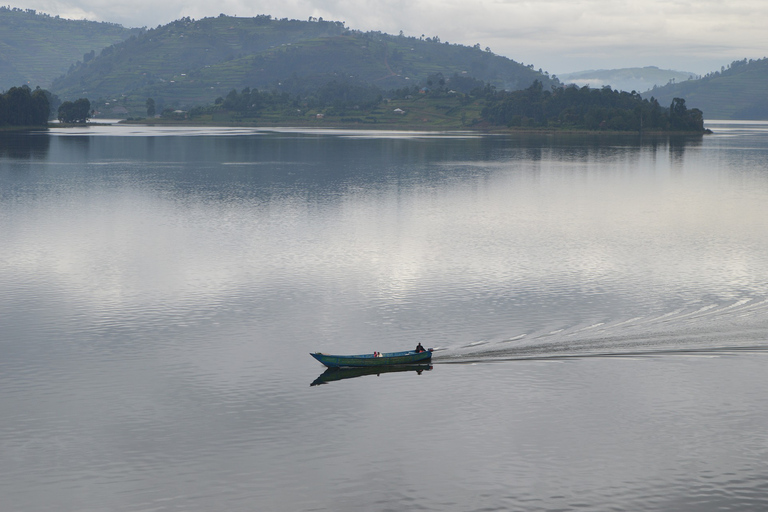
[(21, 106), (590, 109), (560, 107), (535, 107)]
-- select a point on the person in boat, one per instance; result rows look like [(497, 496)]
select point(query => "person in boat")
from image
[(419, 349)]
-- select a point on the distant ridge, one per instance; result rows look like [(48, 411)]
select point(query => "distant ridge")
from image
[(35, 48), (626, 79), (192, 62), (737, 91)]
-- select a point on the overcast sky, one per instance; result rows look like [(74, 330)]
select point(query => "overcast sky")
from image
[(558, 36)]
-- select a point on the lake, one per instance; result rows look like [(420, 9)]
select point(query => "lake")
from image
[(598, 308)]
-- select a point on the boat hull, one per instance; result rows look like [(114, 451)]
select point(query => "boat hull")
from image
[(370, 360)]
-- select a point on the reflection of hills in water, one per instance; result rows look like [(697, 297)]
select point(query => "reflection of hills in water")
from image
[(243, 162), (335, 374), (717, 328)]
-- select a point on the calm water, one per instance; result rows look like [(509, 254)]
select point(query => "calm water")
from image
[(599, 308)]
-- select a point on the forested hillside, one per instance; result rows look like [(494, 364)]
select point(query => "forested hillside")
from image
[(36, 48), (192, 62), (735, 92)]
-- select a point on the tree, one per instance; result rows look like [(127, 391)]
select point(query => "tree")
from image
[(678, 108), (41, 107), (78, 111), (681, 118), (53, 103), (22, 107), (150, 107), (19, 106)]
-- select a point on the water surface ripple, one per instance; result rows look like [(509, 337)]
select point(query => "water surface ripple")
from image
[(598, 306)]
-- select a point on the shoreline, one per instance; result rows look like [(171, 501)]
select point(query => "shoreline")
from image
[(490, 130), (13, 129)]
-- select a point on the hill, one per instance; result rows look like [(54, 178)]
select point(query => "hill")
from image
[(441, 107), (735, 92), (193, 62), (626, 79), (36, 48)]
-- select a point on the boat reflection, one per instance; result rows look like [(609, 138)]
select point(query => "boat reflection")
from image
[(334, 374)]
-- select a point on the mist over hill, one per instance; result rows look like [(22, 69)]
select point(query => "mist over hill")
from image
[(36, 48), (626, 79), (737, 91), (192, 62)]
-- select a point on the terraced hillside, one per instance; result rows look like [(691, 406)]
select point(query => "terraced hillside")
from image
[(192, 62), (37, 48), (737, 92)]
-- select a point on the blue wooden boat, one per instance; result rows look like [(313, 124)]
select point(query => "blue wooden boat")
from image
[(374, 359)]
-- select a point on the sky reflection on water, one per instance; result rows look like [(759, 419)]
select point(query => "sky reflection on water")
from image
[(602, 301)]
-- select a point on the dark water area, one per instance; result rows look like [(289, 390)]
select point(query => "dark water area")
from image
[(598, 308)]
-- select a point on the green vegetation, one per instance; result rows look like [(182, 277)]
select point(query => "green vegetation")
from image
[(442, 107), (78, 111), (22, 107), (192, 62), (591, 109), (735, 92), (36, 48), (268, 71), (345, 106)]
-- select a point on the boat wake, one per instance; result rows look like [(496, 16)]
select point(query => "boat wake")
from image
[(738, 325)]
